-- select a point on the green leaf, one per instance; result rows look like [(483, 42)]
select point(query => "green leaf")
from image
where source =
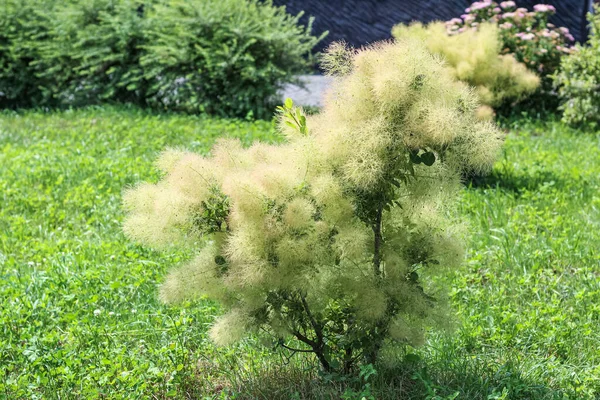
[(288, 103), (428, 158), (414, 277), (414, 157)]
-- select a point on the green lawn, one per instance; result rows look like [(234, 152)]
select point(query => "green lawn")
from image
[(79, 316)]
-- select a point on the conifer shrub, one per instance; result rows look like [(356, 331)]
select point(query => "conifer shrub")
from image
[(327, 242), (221, 57), (578, 79), (226, 57), (474, 57), (23, 24), (93, 52)]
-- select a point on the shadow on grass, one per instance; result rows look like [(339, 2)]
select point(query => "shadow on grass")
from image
[(448, 377), (513, 181), (464, 377)]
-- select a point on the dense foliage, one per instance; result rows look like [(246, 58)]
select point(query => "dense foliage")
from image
[(221, 57), (92, 53), (217, 56), (328, 238), (578, 80), (23, 24), (474, 57)]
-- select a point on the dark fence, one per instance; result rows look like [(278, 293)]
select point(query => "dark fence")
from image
[(359, 22)]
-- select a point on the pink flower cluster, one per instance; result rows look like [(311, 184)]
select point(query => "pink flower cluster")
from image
[(508, 4), (526, 34), (544, 8), (566, 33), (478, 5)]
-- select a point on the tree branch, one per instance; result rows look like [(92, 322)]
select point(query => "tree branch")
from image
[(304, 339), (377, 244), (313, 322), (295, 350)]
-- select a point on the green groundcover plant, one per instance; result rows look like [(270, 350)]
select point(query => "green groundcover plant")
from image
[(526, 298), (326, 243), (221, 57), (578, 80)]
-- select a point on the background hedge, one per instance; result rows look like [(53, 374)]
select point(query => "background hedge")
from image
[(224, 57)]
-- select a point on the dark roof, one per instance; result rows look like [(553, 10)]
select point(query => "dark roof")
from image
[(360, 22)]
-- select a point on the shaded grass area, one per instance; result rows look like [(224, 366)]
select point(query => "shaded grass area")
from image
[(79, 317)]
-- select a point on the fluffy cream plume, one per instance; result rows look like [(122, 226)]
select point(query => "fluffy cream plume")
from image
[(230, 327), (303, 224), (168, 159), (199, 277), (474, 57)]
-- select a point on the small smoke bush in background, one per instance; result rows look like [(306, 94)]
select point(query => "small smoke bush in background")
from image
[(474, 57), (327, 242)]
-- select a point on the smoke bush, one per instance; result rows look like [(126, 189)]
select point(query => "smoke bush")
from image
[(474, 57), (330, 237)]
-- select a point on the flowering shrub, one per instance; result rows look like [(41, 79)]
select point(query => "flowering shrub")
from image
[(526, 34), (578, 80), (329, 237), (474, 57)]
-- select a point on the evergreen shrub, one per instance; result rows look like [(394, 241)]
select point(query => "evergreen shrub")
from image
[(93, 53), (327, 243), (221, 57), (578, 80), (23, 25), (226, 57)]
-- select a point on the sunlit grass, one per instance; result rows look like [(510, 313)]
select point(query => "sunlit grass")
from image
[(79, 316)]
